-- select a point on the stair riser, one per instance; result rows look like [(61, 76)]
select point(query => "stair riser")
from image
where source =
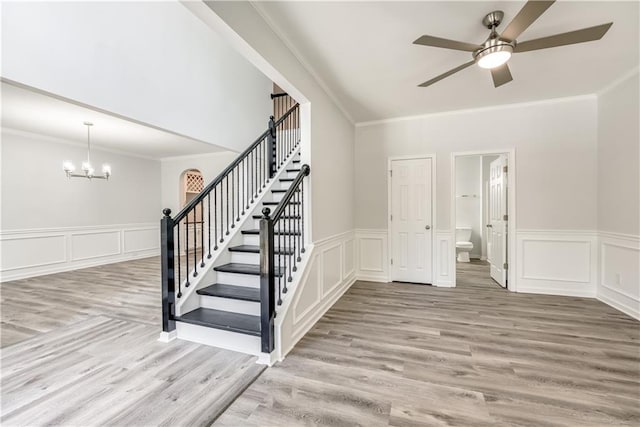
[(218, 338), (232, 305), (294, 227), (254, 239), (249, 280), (245, 257)]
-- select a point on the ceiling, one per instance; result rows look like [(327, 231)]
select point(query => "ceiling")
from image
[(32, 111), (363, 52)]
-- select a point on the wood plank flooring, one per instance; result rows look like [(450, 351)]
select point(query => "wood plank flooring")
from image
[(477, 355), (80, 349)]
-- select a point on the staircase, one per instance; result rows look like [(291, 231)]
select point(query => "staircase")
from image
[(222, 286)]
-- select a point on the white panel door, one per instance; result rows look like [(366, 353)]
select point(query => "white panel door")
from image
[(411, 232), (497, 226)]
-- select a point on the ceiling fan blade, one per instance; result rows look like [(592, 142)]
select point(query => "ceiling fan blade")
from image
[(572, 37), (447, 74), (527, 15), (446, 43), (501, 75)]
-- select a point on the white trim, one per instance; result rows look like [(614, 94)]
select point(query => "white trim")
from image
[(617, 82), (305, 64), (166, 337), (512, 283), (65, 257), (476, 110), (434, 197)]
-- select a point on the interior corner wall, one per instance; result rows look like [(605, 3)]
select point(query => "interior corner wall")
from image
[(50, 223), (555, 149), (153, 62), (331, 133), (619, 195), (327, 145), (171, 170)]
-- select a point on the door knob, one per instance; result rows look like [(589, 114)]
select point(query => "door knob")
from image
[(489, 225), (427, 227)]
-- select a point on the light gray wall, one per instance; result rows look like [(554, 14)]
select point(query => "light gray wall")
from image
[(37, 194), (150, 61), (555, 143), (619, 158), (210, 165), (469, 209), (331, 135)]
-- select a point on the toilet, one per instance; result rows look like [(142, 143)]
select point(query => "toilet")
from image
[(463, 243)]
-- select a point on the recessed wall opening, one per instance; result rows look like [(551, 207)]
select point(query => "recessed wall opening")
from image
[(481, 218)]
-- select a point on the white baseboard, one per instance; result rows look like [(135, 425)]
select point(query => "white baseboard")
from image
[(36, 252)]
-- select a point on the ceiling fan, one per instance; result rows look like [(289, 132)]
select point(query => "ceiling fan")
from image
[(494, 53)]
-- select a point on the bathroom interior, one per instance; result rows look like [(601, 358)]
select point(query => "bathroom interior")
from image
[(472, 175)]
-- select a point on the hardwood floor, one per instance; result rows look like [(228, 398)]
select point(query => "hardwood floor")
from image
[(80, 349), (477, 355)]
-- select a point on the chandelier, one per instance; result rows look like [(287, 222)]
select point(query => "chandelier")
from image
[(87, 169)]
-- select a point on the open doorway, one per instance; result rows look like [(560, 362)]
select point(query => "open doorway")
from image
[(481, 218)]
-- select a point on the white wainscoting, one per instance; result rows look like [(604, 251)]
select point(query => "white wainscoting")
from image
[(328, 272), (372, 259), (557, 262), (29, 253), (619, 267), (444, 267)]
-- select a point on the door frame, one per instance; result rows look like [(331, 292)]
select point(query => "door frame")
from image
[(512, 284), (434, 256)]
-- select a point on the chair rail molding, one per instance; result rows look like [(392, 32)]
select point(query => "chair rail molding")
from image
[(36, 252)]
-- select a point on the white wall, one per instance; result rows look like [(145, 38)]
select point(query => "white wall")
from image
[(328, 135), (327, 145), (150, 61), (555, 153), (619, 195), (468, 209), (50, 223), (171, 170)]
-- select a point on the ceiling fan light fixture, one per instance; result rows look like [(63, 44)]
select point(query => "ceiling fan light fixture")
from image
[(494, 56)]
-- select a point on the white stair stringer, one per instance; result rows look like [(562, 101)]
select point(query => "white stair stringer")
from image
[(237, 341)]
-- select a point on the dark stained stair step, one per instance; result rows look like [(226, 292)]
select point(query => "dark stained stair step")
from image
[(293, 170), (254, 249), (281, 191), (296, 161), (220, 290), (225, 320), (239, 268), (286, 179), (277, 203), (282, 217), (256, 231)]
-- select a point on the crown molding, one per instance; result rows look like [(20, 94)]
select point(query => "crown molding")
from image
[(62, 141), (479, 109), (305, 64), (617, 82)]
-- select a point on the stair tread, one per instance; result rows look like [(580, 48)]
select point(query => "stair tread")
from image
[(296, 161), (283, 216), (277, 203), (240, 268), (256, 231), (231, 291), (286, 179), (226, 320), (255, 249), (281, 191), (293, 170)]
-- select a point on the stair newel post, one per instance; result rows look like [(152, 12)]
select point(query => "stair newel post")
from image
[(168, 274), (267, 282), (271, 146)]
